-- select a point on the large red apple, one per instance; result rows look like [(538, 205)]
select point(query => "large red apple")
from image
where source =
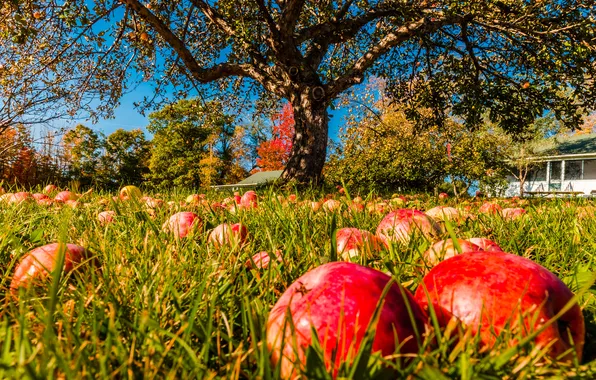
[(338, 300), (491, 292), (400, 224), (40, 262), (182, 223), (353, 242)]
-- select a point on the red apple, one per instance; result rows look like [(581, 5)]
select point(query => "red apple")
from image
[(400, 224), (491, 292), (40, 262), (153, 203), (50, 189), (512, 213), (489, 208), (444, 249), (485, 244), (16, 198), (442, 213), (225, 234), (443, 196), (182, 223), (338, 300), (39, 196), (352, 242), (66, 195), (262, 259), (331, 205), (249, 199), (106, 217)]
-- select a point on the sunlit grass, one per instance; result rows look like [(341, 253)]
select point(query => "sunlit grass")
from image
[(155, 306)]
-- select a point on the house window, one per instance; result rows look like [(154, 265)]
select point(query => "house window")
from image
[(538, 173), (573, 170), (555, 170), (589, 169)]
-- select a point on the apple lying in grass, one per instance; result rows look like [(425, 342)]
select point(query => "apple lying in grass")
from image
[(338, 300), (249, 200), (353, 242), (512, 213), (400, 224), (233, 235), (129, 192), (485, 244), (37, 265), (490, 208), (182, 223), (443, 213), (16, 198), (49, 189), (492, 292), (40, 196), (443, 196), (444, 249), (106, 217), (262, 259), (331, 205), (66, 195)]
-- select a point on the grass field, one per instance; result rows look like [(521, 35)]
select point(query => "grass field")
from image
[(149, 305)]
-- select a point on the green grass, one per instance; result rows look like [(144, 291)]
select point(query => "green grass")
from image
[(155, 306)]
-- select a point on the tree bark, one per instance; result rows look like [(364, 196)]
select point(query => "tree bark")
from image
[(309, 146)]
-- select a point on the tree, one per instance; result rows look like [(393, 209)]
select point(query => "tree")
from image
[(275, 152), (386, 152), (510, 58), (522, 151), (18, 161), (81, 149), (191, 144), (125, 159)]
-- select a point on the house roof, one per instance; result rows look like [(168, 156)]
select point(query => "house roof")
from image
[(255, 180), (577, 144)]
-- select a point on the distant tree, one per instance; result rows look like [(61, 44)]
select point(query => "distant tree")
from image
[(522, 150), (387, 152), (510, 58), (81, 150), (125, 159), (274, 153), (18, 160), (185, 134)]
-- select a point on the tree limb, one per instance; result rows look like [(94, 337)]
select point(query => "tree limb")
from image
[(200, 74), (403, 33)]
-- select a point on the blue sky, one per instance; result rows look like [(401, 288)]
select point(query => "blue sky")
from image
[(128, 118)]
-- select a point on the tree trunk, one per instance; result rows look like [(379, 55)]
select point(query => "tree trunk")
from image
[(309, 146)]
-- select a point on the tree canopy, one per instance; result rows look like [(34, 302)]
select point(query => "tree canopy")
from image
[(511, 58)]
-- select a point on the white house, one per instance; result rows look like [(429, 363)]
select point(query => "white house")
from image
[(567, 164)]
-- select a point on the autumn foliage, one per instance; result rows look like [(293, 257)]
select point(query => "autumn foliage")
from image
[(274, 153)]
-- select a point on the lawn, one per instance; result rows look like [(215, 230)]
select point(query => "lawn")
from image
[(147, 304)]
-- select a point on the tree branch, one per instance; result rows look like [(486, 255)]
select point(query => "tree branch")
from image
[(289, 17), (404, 33), (200, 74)]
